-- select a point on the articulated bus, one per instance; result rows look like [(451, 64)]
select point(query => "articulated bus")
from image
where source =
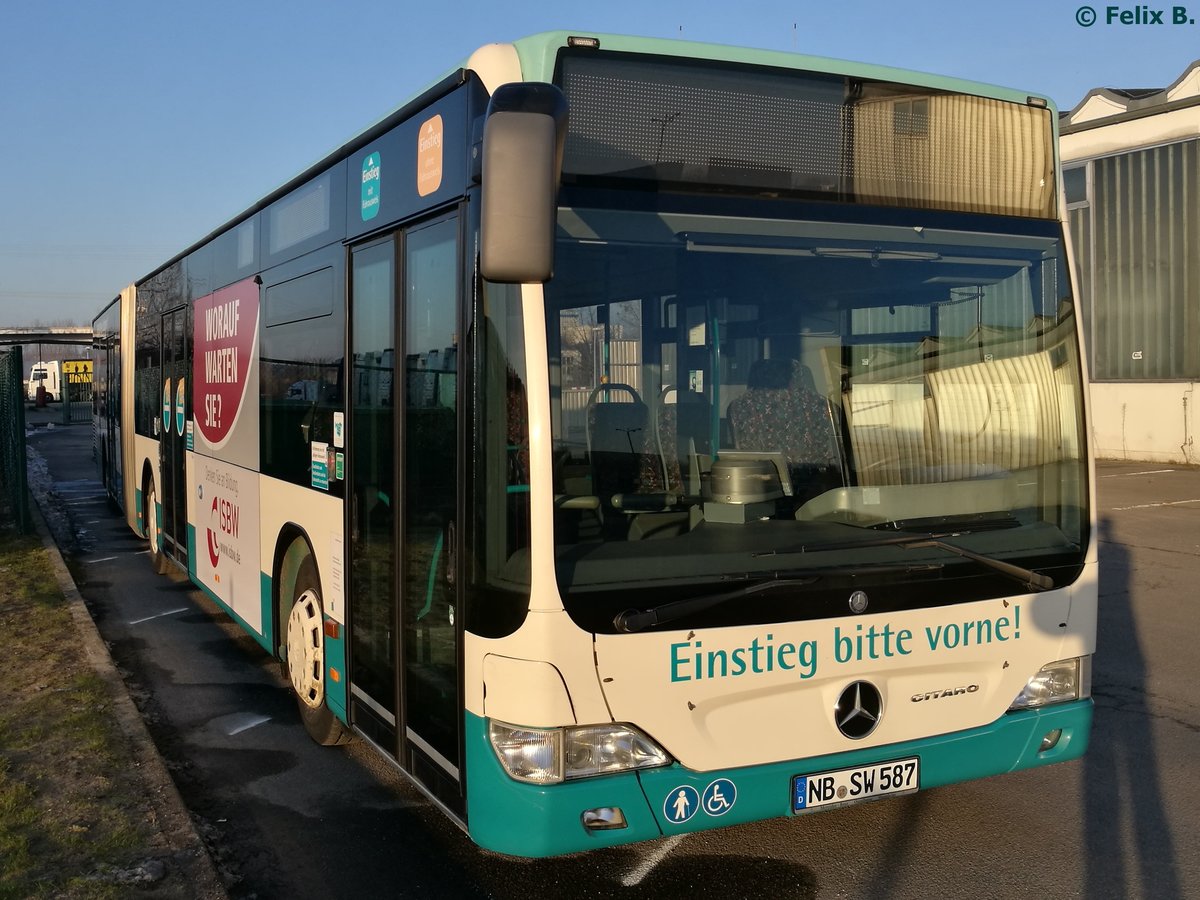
[(632, 437)]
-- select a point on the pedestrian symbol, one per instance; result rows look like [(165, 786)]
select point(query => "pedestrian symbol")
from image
[(681, 804), (719, 797)]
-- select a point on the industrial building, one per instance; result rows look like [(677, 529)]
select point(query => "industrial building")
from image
[(1131, 169)]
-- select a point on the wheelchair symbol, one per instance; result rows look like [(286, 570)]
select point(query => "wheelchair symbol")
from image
[(719, 797)]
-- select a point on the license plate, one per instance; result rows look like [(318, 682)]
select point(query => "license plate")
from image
[(843, 786)]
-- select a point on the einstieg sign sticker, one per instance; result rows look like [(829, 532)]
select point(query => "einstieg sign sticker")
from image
[(372, 172), (180, 397), (429, 156)]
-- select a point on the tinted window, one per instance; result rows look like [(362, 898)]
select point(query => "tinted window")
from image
[(301, 378), (310, 217), (156, 295), (235, 253)]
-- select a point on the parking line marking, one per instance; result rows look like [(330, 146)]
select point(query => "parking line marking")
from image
[(652, 859), (1154, 505), (246, 724), (169, 612), (92, 562), (1131, 474)]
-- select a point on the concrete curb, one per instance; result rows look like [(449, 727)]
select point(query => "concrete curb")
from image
[(172, 818)]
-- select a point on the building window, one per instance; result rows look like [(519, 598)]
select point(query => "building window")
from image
[(1075, 184), (911, 117)]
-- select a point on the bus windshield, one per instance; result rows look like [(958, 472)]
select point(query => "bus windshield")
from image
[(739, 400)]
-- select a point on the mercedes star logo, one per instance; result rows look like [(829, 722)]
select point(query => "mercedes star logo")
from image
[(858, 710)]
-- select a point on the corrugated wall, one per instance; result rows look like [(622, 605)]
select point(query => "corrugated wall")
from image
[(1138, 251)]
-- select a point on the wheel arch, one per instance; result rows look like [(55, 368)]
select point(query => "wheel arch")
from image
[(291, 547), (147, 480)]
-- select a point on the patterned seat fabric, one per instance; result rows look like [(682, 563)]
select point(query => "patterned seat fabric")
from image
[(781, 412), (650, 473), (682, 430)]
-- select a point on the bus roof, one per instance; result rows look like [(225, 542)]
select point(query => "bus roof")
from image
[(537, 55)]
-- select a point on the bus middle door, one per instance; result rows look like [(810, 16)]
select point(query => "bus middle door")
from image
[(172, 442)]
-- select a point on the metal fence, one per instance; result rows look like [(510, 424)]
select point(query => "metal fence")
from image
[(14, 492), (76, 401)]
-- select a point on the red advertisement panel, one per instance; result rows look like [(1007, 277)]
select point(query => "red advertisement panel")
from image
[(226, 323)]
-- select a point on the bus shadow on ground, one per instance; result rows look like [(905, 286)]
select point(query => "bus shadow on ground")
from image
[(1123, 787), (724, 876), (635, 874)]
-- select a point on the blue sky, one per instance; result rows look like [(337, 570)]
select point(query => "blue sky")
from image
[(129, 130)]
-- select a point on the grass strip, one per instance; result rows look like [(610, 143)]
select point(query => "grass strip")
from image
[(72, 811)]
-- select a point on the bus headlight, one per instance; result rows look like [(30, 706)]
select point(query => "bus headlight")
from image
[(551, 755), (1058, 682)]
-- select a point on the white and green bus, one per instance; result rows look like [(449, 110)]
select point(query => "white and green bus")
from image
[(628, 437)]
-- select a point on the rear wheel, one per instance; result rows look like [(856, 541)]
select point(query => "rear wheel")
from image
[(157, 557), (306, 658)]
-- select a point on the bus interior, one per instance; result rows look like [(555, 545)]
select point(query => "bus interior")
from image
[(711, 373)]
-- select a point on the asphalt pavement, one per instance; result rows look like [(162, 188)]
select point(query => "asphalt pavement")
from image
[(285, 818)]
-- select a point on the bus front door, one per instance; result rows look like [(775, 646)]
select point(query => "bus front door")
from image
[(404, 614)]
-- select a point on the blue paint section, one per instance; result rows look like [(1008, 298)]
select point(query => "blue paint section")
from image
[(527, 820), (1009, 744), (266, 599), (676, 800), (263, 641), (399, 197), (335, 649), (260, 639), (335, 658)]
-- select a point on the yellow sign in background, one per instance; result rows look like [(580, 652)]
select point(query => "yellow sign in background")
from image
[(77, 371)]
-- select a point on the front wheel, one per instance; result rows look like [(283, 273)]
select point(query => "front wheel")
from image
[(306, 658)]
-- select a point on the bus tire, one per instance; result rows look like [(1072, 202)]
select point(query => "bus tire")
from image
[(305, 664), (158, 558)]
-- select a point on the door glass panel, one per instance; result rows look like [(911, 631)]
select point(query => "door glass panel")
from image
[(175, 395), (430, 480), (373, 504)]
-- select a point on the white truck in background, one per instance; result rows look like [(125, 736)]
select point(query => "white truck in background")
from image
[(49, 376)]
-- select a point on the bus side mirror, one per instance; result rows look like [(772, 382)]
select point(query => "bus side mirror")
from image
[(523, 140)]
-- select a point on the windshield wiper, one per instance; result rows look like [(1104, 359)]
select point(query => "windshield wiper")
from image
[(632, 620), (1035, 581)]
